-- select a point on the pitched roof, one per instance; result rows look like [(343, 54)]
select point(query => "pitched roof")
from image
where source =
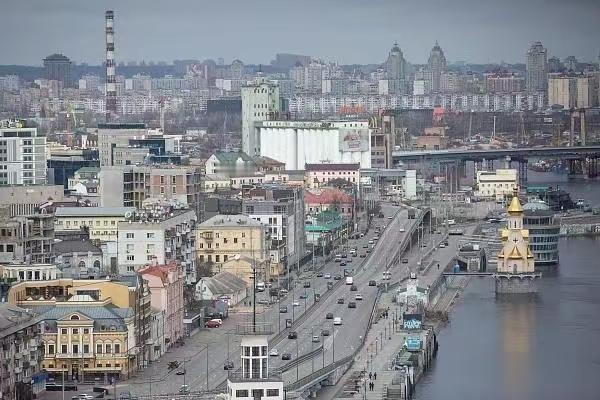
[(74, 246), (327, 196), (333, 167), (224, 283), (515, 206), (229, 221), (230, 157)]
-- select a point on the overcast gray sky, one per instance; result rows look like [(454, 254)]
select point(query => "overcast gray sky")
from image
[(347, 31)]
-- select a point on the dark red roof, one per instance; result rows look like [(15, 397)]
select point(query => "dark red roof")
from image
[(332, 167), (327, 196)]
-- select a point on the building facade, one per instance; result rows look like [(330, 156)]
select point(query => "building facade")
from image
[(260, 102), (102, 223), (319, 175), (544, 233), (26, 238), (436, 65), (58, 68), (562, 90), (496, 184), (22, 156), (537, 68)]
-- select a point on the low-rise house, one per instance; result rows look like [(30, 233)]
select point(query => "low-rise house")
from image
[(319, 200), (222, 285), (319, 175), (78, 259)]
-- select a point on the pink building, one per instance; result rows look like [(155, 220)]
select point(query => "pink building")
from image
[(166, 294), (319, 175)]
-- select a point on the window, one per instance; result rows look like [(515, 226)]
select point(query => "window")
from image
[(272, 392), (86, 348), (50, 349), (129, 235), (241, 393), (201, 245), (150, 235), (234, 240), (108, 348), (130, 257), (75, 331), (258, 393), (75, 349), (117, 348), (75, 317), (225, 258), (217, 258), (99, 348), (63, 349), (63, 331), (243, 234)]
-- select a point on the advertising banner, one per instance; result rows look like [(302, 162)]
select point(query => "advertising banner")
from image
[(354, 139), (413, 344), (412, 321)]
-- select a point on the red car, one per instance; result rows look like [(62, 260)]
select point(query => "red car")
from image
[(213, 323)]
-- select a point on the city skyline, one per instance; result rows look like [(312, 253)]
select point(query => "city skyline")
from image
[(180, 31)]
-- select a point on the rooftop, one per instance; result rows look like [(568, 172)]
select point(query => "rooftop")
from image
[(74, 246), (327, 196), (224, 283), (93, 211), (333, 166), (229, 221)]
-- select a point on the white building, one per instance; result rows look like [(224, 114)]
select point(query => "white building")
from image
[(496, 184), (149, 238), (409, 184), (298, 143), (260, 102), (22, 155)]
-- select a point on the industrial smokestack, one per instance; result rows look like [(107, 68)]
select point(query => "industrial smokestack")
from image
[(111, 80)]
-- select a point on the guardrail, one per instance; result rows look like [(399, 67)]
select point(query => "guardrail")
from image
[(318, 374), (299, 360)]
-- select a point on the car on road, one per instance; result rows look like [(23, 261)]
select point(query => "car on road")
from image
[(180, 372), (263, 301), (293, 335), (325, 332), (358, 297), (351, 304), (442, 245), (303, 296), (340, 300), (365, 246), (83, 396), (306, 284), (329, 316), (283, 309), (343, 264), (286, 356), (296, 303), (390, 217), (213, 323), (371, 242), (372, 283), (337, 321), (376, 238), (316, 339), (405, 261), (327, 276), (363, 255), (353, 288), (283, 293), (274, 353), (337, 259), (344, 255), (319, 274), (184, 389), (228, 365), (368, 251), (337, 277), (402, 230)]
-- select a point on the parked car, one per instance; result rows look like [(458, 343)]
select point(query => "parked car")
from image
[(329, 316), (371, 242), (303, 296), (358, 297), (286, 356), (353, 288), (343, 263), (372, 283), (283, 309), (405, 261), (337, 277), (316, 339), (337, 321), (368, 251), (363, 255), (325, 332), (274, 353), (180, 372), (293, 335), (319, 274), (306, 284), (365, 246), (351, 304), (228, 365), (327, 276), (340, 301), (213, 323), (184, 389), (263, 301), (296, 303)]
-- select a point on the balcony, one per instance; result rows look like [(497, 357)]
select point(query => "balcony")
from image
[(18, 356), (18, 370)]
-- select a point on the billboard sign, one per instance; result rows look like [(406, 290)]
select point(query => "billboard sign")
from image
[(413, 344), (354, 139), (412, 321)]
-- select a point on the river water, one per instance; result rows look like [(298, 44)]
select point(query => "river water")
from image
[(544, 348)]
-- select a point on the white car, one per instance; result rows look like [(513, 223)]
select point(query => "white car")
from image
[(296, 303), (274, 353), (358, 297), (327, 276), (402, 230), (442, 245), (337, 321)]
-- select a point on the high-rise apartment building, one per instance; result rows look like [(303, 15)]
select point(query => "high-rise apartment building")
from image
[(22, 155), (58, 68), (436, 65), (395, 67), (537, 68), (562, 90), (260, 102), (115, 135)]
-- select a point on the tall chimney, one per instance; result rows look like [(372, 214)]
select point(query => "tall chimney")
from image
[(111, 81)]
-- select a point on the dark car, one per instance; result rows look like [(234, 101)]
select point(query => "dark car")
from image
[(343, 263), (368, 251), (329, 316), (344, 256), (286, 356), (319, 275), (340, 300), (180, 372), (365, 246), (351, 304), (337, 277), (303, 296), (283, 309), (325, 332), (293, 335), (306, 284), (405, 261), (372, 283), (363, 255), (353, 288), (228, 365)]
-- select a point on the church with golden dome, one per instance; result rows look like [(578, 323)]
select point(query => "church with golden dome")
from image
[(516, 266)]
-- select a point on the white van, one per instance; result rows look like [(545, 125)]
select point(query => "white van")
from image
[(349, 280), (337, 321)]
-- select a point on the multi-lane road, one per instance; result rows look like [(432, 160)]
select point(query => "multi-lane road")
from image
[(212, 345)]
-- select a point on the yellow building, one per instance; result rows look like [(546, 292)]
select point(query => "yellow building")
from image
[(496, 184), (104, 310), (223, 237), (515, 272), (102, 222)]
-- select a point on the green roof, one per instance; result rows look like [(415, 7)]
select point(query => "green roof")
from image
[(230, 157), (328, 220), (89, 170)]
